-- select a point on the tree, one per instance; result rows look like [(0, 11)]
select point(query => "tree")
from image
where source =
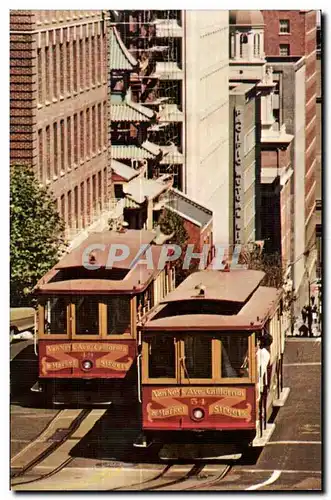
[(36, 234), (170, 223), (270, 264)]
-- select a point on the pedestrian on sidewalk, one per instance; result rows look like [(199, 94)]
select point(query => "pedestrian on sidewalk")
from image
[(314, 312), (304, 314), (303, 330), (310, 320)]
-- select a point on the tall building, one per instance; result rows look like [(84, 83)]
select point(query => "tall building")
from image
[(260, 143), (319, 114), (206, 114), (182, 75), (59, 106), (289, 76), (293, 33)]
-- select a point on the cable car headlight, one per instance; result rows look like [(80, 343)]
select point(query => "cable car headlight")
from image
[(198, 414), (87, 364)]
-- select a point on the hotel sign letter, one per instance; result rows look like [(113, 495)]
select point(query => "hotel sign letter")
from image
[(238, 181)]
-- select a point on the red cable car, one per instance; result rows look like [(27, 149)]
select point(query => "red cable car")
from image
[(212, 360)]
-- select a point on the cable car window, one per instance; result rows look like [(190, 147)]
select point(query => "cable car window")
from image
[(198, 357), (118, 315), (235, 360), (162, 357), (56, 316), (87, 316)]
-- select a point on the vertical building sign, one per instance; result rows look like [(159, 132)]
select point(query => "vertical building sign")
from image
[(238, 174)]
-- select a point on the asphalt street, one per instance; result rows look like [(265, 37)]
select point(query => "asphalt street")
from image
[(104, 458)]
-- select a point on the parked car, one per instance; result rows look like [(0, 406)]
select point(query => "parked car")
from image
[(22, 322)]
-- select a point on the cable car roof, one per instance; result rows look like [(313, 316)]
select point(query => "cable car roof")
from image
[(233, 286), (70, 276), (252, 316)]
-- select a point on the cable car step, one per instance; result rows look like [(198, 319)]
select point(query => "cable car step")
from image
[(259, 442), (283, 397)]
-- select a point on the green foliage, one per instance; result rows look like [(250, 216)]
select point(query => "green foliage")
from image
[(169, 223), (36, 231), (271, 264)]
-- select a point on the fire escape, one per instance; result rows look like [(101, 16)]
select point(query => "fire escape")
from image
[(154, 39)]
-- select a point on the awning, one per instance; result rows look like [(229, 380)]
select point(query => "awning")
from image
[(120, 57)]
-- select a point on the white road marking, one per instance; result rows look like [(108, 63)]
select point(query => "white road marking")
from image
[(297, 338), (274, 476), (294, 442), (303, 364), (283, 471)]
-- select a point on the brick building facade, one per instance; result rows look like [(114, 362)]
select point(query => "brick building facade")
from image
[(293, 33), (59, 106)]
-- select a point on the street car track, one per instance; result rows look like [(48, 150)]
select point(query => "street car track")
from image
[(50, 450), (191, 481), (186, 481)]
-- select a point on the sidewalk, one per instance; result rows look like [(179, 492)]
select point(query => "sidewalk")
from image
[(317, 332)]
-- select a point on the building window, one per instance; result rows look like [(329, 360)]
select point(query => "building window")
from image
[(76, 139), (88, 199), (99, 128), (69, 209), (99, 189), (105, 122), (82, 203), (40, 77), (48, 153), (69, 142), (82, 136), (47, 80), (55, 149), (62, 69), (94, 139), (93, 59), (68, 68), (99, 59), (62, 146), (54, 76), (76, 206), (40, 154), (94, 191), (284, 49), (74, 57), (256, 45), (284, 26), (87, 62), (233, 45), (88, 135), (243, 41), (105, 185), (81, 64)]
